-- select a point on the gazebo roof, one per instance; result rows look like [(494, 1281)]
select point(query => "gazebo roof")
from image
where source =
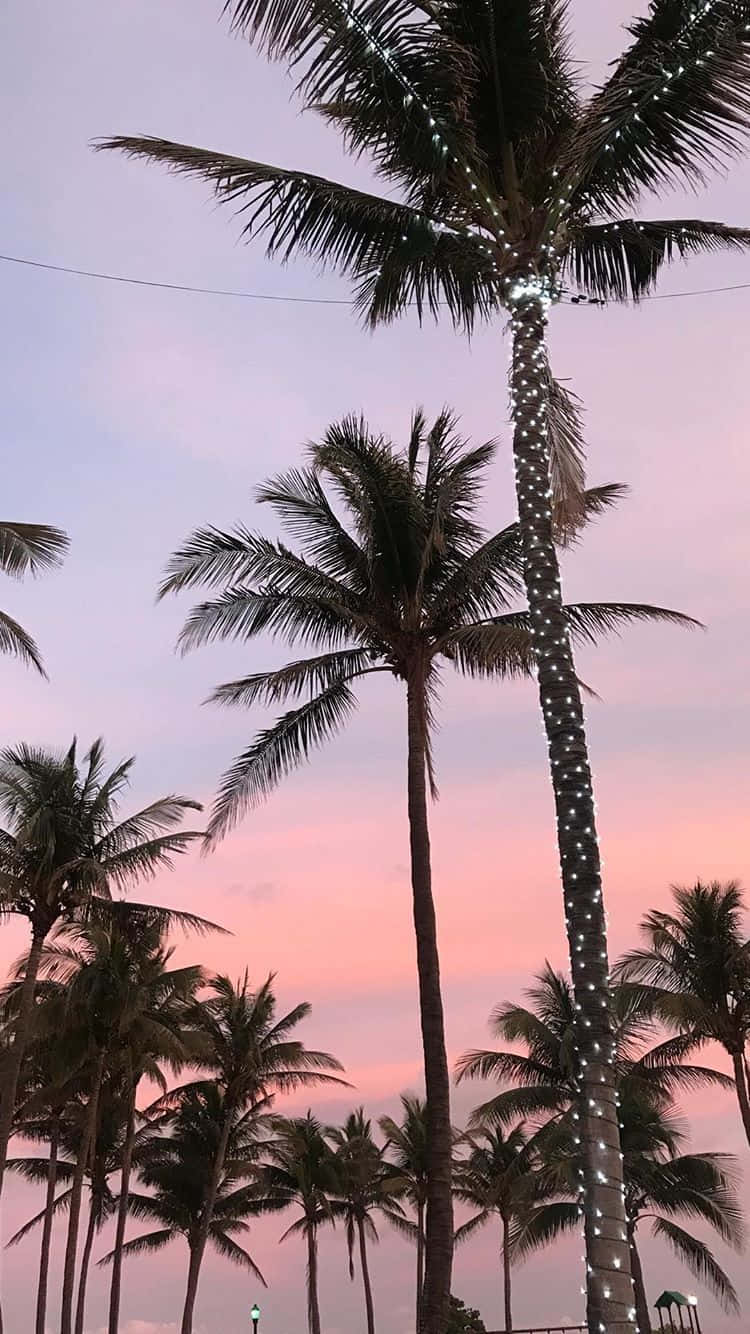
[(672, 1299)]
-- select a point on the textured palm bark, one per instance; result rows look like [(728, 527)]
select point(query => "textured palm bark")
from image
[(369, 1307), (46, 1247), (506, 1279), (76, 1195), (313, 1308), (18, 1049), (609, 1287), (740, 1079), (83, 1276), (642, 1313), (439, 1220), (122, 1216)]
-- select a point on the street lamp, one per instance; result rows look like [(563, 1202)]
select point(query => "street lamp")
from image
[(255, 1316)]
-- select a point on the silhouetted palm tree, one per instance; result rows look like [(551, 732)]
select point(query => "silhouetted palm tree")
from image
[(405, 584), (301, 1171), (498, 1180), (508, 184), (63, 845), (406, 1142), (177, 1164), (27, 548), (367, 1183), (694, 973), (250, 1054), (661, 1185)]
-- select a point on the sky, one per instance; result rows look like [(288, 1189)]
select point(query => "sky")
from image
[(130, 415)]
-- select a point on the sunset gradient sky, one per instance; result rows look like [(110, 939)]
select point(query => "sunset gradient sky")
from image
[(130, 415)]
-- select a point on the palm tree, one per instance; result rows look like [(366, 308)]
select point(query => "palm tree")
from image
[(367, 1182), (497, 1179), (511, 185), (250, 1054), (694, 973), (27, 548), (301, 1170), (661, 1184), (110, 967), (406, 583), (545, 1079), (176, 1163), (63, 843), (406, 1143), (153, 1031), (52, 1079)]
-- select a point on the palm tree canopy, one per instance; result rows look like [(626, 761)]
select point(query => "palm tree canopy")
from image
[(407, 576), (63, 840), (545, 1077), (248, 1050), (175, 1162), (662, 1184), (366, 1180), (694, 971), (301, 1169), (473, 116), (27, 548)]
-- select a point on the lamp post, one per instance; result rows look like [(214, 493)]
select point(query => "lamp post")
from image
[(255, 1316)]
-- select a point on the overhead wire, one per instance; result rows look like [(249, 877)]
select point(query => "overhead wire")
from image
[(571, 298)]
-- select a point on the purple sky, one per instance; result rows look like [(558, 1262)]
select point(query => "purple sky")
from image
[(130, 415)]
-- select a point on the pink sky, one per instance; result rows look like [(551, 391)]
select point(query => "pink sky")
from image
[(131, 415)]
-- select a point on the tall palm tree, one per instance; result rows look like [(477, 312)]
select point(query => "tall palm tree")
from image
[(27, 548), (301, 1170), (661, 1185), (498, 1181), (62, 844), (694, 972), (176, 1163), (511, 185), (250, 1054), (367, 1183), (405, 583), (406, 1144)]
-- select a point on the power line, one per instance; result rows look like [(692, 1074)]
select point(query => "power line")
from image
[(176, 287), (308, 300)]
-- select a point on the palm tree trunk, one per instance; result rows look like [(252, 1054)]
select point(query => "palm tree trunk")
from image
[(740, 1079), (18, 1049), (88, 1143), (44, 1255), (642, 1313), (369, 1308), (439, 1228), (191, 1292), (313, 1309), (609, 1292), (506, 1278), (198, 1248), (420, 1264), (122, 1215), (85, 1261)]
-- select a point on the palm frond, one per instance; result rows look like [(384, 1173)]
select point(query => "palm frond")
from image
[(145, 1245), (29, 548), (231, 1250), (567, 452), (275, 752), (625, 258), (545, 1225), (293, 680), (676, 106), (700, 1261), (18, 642)]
